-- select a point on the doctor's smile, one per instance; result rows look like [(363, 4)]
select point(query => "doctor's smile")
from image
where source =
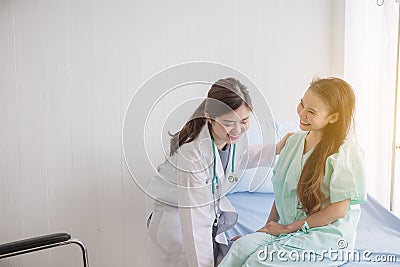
[(228, 128), (233, 138)]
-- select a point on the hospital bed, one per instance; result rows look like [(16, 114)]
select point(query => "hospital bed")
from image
[(378, 231)]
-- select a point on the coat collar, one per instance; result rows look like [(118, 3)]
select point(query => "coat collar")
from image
[(203, 141)]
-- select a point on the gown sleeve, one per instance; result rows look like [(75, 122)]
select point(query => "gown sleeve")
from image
[(348, 174)]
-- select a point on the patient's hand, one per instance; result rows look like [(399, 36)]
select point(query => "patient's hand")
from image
[(235, 238), (274, 228), (281, 143)]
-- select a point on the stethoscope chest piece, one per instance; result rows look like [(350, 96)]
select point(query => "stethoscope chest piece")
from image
[(232, 177)]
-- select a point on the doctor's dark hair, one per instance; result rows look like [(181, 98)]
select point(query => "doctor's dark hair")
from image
[(339, 97), (224, 96)]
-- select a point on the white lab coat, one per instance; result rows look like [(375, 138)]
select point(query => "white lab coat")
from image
[(180, 229)]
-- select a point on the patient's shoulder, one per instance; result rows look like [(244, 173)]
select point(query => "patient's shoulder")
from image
[(296, 137)]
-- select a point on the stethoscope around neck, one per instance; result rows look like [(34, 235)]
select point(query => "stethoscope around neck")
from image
[(232, 176)]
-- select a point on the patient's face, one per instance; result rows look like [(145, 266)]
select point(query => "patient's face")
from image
[(228, 128), (313, 112)]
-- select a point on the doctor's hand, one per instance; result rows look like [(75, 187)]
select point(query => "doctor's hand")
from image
[(281, 143), (274, 228)]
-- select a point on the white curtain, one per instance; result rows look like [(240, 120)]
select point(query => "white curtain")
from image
[(370, 66), (395, 205)]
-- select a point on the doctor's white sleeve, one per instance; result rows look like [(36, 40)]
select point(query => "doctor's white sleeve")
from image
[(196, 217), (259, 156)]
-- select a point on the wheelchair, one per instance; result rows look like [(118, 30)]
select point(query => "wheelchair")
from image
[(42, 242)]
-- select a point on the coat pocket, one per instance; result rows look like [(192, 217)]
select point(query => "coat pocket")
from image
[(170, 237), (153, 224), (165, 230)]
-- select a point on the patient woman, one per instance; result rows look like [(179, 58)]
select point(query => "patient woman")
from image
[(318, 184)]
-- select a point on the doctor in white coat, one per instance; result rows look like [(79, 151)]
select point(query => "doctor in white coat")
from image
[(190, 213)]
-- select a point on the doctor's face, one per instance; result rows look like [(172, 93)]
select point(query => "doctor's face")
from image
[(229, 127)]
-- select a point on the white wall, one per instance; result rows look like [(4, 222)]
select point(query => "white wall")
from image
[(67, 72)]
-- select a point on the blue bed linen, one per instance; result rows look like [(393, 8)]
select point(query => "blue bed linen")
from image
[(253, 210), (378, 230)]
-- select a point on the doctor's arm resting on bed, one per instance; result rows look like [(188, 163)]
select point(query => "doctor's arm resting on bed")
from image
[(323, 217)]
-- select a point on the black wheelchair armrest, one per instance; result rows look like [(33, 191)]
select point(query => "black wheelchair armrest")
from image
[(39, 243), (32, 243)]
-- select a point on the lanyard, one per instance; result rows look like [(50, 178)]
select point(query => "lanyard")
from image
[(232, 177), (233, 158), (214, 182)]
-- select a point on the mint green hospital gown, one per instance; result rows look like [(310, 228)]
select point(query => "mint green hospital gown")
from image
[(328, 245)]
